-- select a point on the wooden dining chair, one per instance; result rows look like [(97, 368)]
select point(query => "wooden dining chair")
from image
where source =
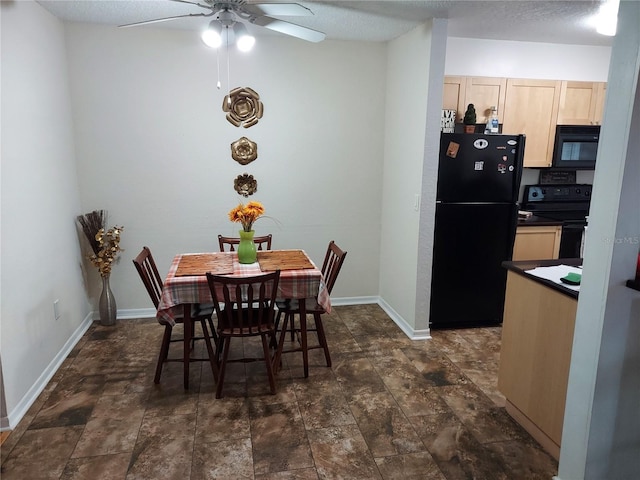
[(146, 267), (331, 266), (228, 244), (245, 307)]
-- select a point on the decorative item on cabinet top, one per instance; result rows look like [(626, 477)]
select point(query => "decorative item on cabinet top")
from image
[(243, 107), (469, 119), (245, 185), (447, 121), (244, 151)]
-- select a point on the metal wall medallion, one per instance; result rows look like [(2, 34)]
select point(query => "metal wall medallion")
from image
[(244, 151), (245, 185), (243, 107)]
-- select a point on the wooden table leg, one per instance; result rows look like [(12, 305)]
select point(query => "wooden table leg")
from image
[(303, 334), (188, 333)]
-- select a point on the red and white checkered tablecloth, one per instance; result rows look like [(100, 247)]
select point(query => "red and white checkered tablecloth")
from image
[(294, 284)]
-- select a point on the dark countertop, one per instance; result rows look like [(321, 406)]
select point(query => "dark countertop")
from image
[(520, 267), (536, 221)]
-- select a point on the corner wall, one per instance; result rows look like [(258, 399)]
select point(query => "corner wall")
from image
[(405, 199), (39, 191)]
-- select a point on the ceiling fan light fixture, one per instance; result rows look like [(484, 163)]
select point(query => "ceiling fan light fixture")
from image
[(212, 36), (244, 40)]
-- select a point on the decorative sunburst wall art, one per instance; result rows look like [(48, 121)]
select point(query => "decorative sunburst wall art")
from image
[(244, 151), (245, 185), (243, 107)]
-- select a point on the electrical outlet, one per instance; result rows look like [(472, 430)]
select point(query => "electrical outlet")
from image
[(56, 309)]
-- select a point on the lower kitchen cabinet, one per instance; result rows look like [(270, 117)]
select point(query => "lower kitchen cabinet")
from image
[(537, 242), (535, 354)]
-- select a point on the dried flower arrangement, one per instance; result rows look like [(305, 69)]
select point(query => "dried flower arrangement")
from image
[(246, 214), (104, 244)]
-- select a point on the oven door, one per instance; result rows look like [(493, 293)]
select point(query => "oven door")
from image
[(571, 239)]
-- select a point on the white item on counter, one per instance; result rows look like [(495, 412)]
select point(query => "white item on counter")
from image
[(555, 273)]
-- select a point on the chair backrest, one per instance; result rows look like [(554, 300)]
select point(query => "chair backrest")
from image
[(262, 242), (244, 305), (148, 271), (333, 261)]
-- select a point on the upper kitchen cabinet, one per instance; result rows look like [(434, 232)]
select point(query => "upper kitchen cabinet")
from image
[(531, 107), (453, 96), (484, 93), (601, 90), (581, 103)]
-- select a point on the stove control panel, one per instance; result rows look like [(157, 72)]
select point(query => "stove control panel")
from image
[(557, 193)]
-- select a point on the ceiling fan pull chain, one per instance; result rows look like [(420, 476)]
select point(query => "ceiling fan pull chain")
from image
[(218, 85), (228, 70)]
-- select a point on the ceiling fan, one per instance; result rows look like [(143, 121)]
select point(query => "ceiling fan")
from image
[(229, 12)]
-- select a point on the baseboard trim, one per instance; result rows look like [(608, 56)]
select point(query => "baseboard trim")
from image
[(131, 314), (346, 301), (36, 389), (402, 323)]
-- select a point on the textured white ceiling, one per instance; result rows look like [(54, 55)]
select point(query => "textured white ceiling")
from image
[(552, 21)]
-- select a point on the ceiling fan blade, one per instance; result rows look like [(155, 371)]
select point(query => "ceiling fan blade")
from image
[(277, 9), (287, 28), (165, 19), (192, 3)]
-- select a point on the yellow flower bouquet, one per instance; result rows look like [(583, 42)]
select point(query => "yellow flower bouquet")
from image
[(246, 214)]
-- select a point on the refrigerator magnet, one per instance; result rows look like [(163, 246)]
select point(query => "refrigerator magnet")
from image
[(481, 143), (452, 149)]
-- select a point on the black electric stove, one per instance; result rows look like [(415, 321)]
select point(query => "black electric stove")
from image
[(567, 203)]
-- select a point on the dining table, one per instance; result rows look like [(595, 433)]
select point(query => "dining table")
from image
[(186, 286)]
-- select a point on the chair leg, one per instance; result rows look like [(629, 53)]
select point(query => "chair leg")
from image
[(293, 326), (213, 360), (223, 365), (164, 352), (322, 337), (212, 327), (267, 361), (276, 322), (277, 362)]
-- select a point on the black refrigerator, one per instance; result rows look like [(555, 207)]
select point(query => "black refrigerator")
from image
[(475, 226)]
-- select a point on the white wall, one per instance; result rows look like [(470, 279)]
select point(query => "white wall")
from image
[(510, 59), (601, 435), (153, 146), (40, 254), (407, 90)]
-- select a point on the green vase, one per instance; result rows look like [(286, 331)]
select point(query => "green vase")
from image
[(247, 249)]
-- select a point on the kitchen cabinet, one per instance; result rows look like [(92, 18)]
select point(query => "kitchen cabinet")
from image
[(535, 354), (453, 96), (581, 103), (484, 93), (531, 107), (601, 90), (537, 242)]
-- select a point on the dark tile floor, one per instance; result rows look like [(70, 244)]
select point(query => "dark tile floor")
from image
[(390, 408)]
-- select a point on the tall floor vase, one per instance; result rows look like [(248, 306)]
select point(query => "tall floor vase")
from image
[(107, 304)]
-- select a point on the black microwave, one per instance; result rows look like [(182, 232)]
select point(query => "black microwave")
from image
[(576, 147)]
